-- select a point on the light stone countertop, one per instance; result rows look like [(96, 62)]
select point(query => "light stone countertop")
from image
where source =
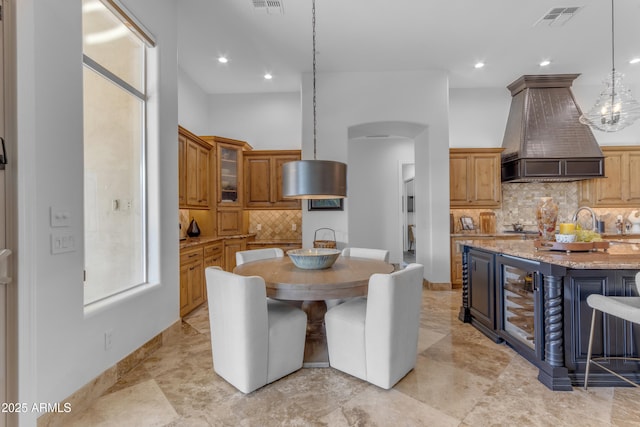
[(621, 255), (195, 241)]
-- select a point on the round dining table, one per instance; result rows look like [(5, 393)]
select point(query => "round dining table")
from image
[(348, 277)]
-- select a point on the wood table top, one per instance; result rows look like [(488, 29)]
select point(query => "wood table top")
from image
[(348, 277)]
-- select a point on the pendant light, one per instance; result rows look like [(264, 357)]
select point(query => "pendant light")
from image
[(616, 108), (314, 179)]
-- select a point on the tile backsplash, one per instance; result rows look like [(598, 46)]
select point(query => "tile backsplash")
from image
[(276, 224), (519, 202)]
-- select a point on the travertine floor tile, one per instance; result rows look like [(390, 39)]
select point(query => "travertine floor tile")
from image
[(461, 378), (139, 405)]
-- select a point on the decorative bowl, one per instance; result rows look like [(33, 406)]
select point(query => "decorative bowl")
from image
[(313, 259), (565, 238)]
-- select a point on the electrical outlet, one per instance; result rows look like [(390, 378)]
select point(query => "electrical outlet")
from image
[(108, 339), (293, 226), (259, 227)]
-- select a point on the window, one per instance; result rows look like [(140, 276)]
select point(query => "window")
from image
[(114, 96)]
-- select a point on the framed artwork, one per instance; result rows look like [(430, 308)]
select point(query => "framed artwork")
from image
[(467, 222), (326, 205)]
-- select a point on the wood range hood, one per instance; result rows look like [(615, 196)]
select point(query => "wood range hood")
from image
[(543, 139)]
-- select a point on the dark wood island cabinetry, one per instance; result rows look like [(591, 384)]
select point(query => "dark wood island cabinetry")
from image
[(535, 301)]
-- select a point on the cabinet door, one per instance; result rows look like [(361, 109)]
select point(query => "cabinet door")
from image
[(229, 174), (486, 188), (258, 182), (184, 289), (609, 190), (182, 171), (197, 175), (612, 336), (458, 178), (229, 222), (203, 177), (482, 287), (278, 200), (196, 284), (232, 246), (633, 182)]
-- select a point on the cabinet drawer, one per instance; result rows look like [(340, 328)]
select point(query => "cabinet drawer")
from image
[(190, 255), (213, 250)]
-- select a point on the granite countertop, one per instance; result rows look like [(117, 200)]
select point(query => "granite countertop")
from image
[(195, 241), (277, 242), (623, 254)]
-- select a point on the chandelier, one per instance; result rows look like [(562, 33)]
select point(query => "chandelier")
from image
[(616, 108)]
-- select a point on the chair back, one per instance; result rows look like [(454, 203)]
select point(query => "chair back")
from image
[(392, 323), (377, 254), (239, 327), (258, 254)]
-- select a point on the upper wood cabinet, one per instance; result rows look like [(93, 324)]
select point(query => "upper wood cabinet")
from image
[(194, 172), (474, 178), (229, 174), (621, 186), (263, 179)]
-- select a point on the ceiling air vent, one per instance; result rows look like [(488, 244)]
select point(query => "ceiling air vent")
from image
[(558, 16), (271, 7)]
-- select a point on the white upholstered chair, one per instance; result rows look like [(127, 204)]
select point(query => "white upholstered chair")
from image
[(254, 340), (376, 338), (377, 254), (257, 254), (625, 308)]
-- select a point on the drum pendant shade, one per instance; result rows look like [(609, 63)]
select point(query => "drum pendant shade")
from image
[(314, 179)]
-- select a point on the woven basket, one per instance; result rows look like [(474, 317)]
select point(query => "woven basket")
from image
[(329, 244)]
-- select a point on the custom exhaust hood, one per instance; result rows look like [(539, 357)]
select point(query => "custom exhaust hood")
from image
[(543, 140)]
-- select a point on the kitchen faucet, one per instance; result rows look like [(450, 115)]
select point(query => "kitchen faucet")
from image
[(593, 216)]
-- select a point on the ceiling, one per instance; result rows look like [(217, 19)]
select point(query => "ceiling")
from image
[(386, 35)]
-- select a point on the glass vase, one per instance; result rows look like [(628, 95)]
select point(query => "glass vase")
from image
[(547, 216)]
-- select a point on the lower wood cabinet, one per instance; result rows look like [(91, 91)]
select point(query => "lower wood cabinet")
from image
[(192, 288), (231, 246), (193, 262), (214, 255)]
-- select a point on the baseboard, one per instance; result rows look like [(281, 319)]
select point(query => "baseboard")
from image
[(87, 394), (432, 286)]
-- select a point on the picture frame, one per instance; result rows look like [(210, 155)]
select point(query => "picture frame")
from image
[(466, 222), (326, 205)]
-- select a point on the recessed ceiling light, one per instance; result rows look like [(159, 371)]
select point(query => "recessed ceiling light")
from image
[(545, 63), (268, 76), (479, 64), (634, 61), (222, 59)]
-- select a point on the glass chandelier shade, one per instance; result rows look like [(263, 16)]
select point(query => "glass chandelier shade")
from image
[(314, 179), (615, 109)]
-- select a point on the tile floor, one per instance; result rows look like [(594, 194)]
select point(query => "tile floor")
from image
[(461, 379)]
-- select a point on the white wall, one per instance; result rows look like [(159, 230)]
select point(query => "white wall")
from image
[(267, 121), (193, 105), (375, 193), (478, 117), (60, 346), (348, 99)]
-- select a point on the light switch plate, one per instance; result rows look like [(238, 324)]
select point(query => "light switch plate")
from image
[(62, 242), (60, 217)]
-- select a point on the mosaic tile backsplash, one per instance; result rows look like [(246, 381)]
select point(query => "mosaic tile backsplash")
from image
[(519, 202)]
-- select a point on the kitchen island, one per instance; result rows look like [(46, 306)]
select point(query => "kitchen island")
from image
[(535, 301)]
